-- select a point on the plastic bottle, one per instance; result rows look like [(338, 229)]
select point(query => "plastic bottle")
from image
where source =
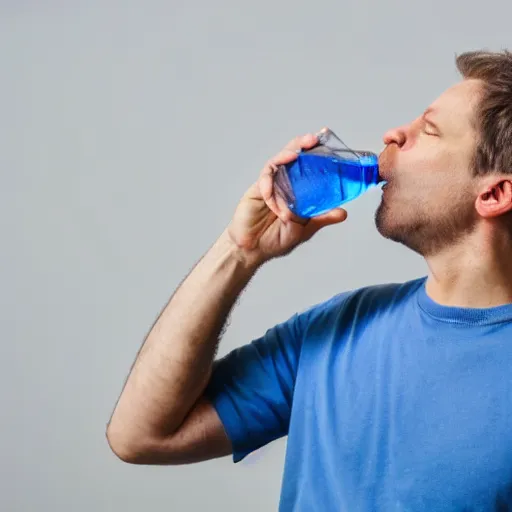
[(326, 176)]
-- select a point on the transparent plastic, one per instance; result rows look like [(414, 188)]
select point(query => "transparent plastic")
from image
[(326, 176)]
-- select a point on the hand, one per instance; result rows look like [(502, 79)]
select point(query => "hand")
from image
[(263, 227)]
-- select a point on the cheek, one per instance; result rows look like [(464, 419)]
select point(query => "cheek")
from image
[(419, 192), (424, 169)]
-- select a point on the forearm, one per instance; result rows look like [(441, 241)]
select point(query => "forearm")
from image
[(175, 361)]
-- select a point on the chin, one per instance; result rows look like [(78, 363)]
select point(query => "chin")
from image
[(405, 225), (424, 233), (385, 222), (408, 234)]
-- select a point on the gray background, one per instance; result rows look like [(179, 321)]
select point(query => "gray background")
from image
[(129, 131)]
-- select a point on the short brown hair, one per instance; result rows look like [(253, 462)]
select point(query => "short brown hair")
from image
[(494, 111)]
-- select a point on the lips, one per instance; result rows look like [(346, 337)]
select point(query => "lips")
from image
[(386, 162), (384, 171)]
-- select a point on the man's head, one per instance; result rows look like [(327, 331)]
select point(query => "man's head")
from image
[(450, 169)]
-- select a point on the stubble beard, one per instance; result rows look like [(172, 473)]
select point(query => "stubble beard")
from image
[(425, 233)]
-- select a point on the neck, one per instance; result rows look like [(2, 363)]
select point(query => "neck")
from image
[(477, 273)]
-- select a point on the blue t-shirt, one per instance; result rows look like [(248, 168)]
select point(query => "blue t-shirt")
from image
[(390, 401)]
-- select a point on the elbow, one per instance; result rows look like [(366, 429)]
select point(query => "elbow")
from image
[(126, 449)]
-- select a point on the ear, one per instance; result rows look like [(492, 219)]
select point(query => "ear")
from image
[(495, 199)]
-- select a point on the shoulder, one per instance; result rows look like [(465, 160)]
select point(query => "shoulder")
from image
[(388, 294), (373, 298)]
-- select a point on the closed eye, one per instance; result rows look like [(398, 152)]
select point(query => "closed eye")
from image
[(429, 129)]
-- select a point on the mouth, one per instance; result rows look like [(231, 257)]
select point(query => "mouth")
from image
[(383, 180), (383, 175), (386, 163), (385, 186)]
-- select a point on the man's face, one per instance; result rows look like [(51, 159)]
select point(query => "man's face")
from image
[(429, 200)]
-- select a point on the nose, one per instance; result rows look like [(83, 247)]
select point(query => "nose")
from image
[(396, 135)]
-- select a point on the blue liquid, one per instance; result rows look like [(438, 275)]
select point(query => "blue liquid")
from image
[(315, 184)]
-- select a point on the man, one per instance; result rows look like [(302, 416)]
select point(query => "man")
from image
[(393, 397)]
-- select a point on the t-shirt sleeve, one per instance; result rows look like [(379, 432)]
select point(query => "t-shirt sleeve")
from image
[(251, 387)]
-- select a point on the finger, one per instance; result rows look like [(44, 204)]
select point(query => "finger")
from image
[(285, 156), (276, 203), (266, 185), (274, 200), (285, 214), (266, 182), (335, 216), (306, 141), (291, 150)]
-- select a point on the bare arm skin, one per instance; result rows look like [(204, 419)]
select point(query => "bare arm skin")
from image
[(175, 363)]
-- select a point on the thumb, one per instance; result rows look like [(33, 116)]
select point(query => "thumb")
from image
[(335, 216)]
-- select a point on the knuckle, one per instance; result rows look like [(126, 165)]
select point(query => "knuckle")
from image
[(294, 143)]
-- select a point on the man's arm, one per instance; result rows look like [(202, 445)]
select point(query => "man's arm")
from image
[(162, 415), (164, 389)]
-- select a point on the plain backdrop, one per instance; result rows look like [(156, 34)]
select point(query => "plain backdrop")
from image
[(128, 132)]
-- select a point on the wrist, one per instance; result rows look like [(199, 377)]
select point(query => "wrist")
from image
[(250, 259)]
